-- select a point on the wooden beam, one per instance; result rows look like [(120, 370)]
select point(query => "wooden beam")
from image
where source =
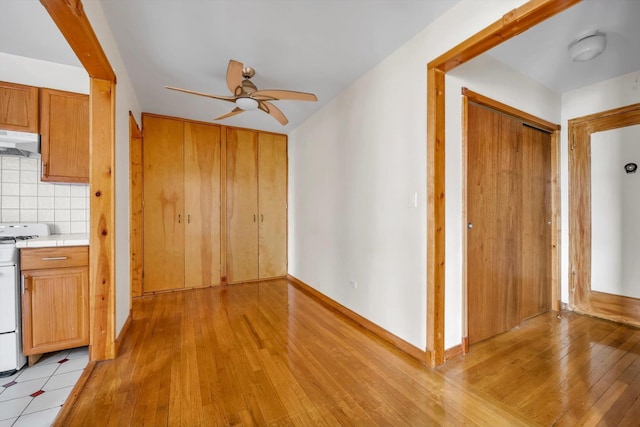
[(102, 233), (70, 18), (513, 23)]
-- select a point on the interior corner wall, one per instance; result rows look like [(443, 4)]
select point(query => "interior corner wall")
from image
[(602, 96), (354, 168), (126, 101)]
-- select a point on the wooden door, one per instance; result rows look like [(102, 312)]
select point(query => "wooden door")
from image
[(242, 205), (55, 309), (64, 127), (18, 107), (163, 203), (272, 201), (493, 243), (202, 204), (536, 221)]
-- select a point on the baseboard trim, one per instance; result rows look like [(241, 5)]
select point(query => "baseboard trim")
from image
[(392, 339), (61, 418), (123, 333)]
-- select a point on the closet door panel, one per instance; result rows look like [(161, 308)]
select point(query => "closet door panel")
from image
[(163, 204), (202, 204), (272, 200), (242, 205)]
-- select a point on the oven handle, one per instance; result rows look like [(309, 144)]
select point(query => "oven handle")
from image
[(22, 283)]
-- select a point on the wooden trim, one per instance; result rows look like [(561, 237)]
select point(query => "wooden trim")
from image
[(435, 217), (136, 228), (102, 233), (223, 206), (73, 396), (455, 352), (584, 300), (123, 332), (530, 119), (382, 333), (511, 24), (74, 25), (556, 221)]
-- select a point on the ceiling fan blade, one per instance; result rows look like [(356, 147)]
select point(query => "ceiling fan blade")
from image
[(269, 108), (230, 113), (234, 75), (274, 94), (193, 92)]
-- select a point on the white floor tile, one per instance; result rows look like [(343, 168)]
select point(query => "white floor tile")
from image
[(48, 400), (38, 419), (73, 365), (68, 379), (6, 380), (13, 408), (22, 389), (79, 352), (53, 357), (37, 371), (7, 423)]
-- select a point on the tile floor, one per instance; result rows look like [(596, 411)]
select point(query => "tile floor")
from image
[(33, 396)]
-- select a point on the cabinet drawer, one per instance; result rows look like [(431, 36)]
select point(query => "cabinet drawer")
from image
[(39, 258)]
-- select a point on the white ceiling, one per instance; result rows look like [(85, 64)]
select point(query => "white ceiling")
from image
[(318, 46), (542, 52)]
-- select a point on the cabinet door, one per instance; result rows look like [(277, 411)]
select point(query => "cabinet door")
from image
[(242, 205), (163, 204), (272, 200), (55, 309), (18, 107), (202, 204), (64, 128)]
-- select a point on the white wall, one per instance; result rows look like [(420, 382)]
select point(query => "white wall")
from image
[(353, 168), (606, 95), (125, 101), (615, 229), (34, 72)]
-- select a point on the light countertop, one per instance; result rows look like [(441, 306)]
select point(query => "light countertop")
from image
[(55, 240)]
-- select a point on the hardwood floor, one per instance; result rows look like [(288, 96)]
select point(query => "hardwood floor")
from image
[(268, 354)]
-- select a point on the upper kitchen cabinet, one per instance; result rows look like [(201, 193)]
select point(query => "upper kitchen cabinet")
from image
[(256, 205), (18, 107), (181, 162), (64, 128)]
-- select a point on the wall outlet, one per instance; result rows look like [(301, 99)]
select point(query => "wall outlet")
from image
[(353, 284)]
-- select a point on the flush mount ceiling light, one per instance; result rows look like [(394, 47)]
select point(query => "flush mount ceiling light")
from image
[(588, 46), (246, 104)]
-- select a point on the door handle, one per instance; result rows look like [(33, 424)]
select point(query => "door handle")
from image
[(470, 225)]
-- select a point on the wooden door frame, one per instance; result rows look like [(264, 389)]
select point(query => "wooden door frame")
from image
[(581, 297), (136, 213), (513, 23), (554, 130), (69, 17)]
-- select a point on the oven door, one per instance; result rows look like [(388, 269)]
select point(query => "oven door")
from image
[(9, 298)]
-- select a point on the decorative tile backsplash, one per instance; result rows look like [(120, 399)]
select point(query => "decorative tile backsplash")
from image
[(24, 198)]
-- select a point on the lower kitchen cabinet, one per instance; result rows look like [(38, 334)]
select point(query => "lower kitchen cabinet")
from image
[(55, 298)]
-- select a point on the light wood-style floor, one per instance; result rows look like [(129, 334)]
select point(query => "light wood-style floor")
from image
[(268, 354)]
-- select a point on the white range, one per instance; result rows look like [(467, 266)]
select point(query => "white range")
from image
[(11, 357)]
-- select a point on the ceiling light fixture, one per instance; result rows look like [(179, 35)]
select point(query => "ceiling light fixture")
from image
[(246, 103), (588, 46)]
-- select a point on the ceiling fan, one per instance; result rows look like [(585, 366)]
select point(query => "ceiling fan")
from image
[(246, 95)]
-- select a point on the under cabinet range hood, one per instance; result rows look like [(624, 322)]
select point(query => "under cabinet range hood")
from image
[(19, 144)]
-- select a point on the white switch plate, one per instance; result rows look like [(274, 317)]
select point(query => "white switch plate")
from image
[(413, 200)]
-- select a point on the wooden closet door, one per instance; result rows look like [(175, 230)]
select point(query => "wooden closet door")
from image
[(272, 201), (493, 242), (536, 222), (202, 204), (242, 205), (163, 204)]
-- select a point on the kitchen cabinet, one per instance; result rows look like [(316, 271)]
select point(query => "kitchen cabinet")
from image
[(18, 107), (256, 197), (64, 129), (181, 164), (55, 298)]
